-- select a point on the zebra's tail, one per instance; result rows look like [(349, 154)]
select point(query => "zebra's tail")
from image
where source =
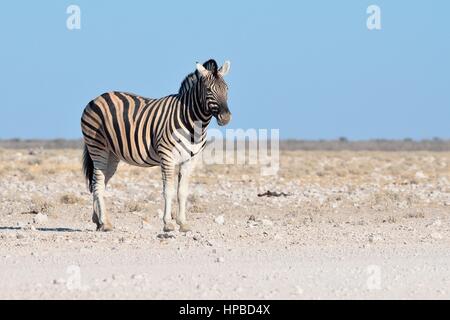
[(88, 167)]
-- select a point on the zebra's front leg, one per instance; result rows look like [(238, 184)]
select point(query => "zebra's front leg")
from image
[(168, 192), (100, 217), (183, 184)]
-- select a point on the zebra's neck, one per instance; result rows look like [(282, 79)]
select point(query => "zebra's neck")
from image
[(194, 110)]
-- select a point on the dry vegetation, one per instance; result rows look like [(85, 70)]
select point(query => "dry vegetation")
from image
[(318, 181)]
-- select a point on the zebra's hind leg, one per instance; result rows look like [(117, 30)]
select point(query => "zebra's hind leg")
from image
[(168, 192), (103, 171), (183, 183)]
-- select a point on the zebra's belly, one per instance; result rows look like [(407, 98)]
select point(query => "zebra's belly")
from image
[(140, 164), (140, 158)]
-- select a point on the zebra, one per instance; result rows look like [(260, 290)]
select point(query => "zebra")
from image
[(168, 132)]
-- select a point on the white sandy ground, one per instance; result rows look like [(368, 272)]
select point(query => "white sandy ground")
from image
[(355, 225)]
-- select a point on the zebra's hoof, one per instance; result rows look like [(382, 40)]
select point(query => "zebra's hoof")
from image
[(104, 227), (168, 227), (185, 227), (95, 219)]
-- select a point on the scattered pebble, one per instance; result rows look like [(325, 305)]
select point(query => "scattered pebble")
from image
[(146, 224), (220, 220), (436, 236), (166, 235), (137, 277), (238, 289), (40, 218), (298, 290), (374, 238), (59, 281)]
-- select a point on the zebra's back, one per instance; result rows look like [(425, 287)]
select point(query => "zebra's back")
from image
[(127, 125)]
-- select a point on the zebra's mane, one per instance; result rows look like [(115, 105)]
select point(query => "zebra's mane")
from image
[(192, 78)]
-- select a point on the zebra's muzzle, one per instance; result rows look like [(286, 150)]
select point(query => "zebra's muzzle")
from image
[(223, 118)]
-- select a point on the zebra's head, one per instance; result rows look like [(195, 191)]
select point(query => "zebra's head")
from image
[(215, 90)]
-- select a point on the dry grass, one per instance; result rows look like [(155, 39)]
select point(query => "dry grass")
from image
[(134, 206), (196, 205), (419, 214), (320, 181), (40, 204), (70, 198)]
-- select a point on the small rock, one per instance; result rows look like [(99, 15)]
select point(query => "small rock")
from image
[(220, 220), (146, 224), (20, 236), (437, 223), (165, 236), (40, 218), (220, 259), (420, 175), (137, 277), (374, 238), (298, 290), (278, 237), (58, 281), (252, 218), (436, 236), (199, 286)]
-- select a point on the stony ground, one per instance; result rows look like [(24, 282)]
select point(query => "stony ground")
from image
[(349, 225)]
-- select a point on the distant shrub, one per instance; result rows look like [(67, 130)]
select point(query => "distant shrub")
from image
[(40, 205), (70, 198)]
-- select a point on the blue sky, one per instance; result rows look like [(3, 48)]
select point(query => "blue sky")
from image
[(309, 68)]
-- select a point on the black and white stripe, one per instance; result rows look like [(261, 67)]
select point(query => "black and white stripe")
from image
[(166, 132)]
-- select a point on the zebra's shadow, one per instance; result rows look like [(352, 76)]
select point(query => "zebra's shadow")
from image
[(56, 229)]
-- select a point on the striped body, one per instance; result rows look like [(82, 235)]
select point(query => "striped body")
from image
[(137, 130)]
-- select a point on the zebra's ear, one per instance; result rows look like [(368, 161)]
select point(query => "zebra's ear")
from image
[(223, 71), (202, 70)]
